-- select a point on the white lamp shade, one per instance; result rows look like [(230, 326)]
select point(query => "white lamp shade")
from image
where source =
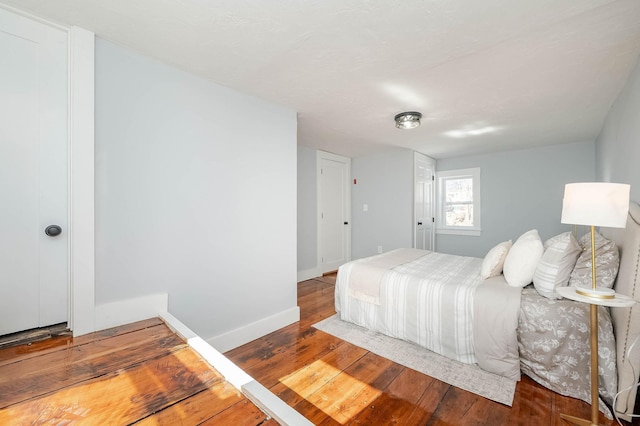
[(596, 204)]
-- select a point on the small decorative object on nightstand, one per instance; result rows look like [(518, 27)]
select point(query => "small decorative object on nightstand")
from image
[(595, 204)]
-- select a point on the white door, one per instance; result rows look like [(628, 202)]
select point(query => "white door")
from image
[(423, 224), (33, 173), (334, 211)]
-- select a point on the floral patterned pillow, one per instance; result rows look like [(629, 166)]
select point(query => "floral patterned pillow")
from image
[(607, 263)]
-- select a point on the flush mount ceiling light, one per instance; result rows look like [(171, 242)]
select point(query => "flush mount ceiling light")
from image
[(408, 120)]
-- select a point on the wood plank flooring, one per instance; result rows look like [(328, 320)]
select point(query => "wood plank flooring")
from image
[(141, 373), (332, 382)]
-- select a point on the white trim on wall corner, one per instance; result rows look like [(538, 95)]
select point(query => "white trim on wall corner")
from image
[(122, 312), (308, 274), (238, 337), (82, 310)]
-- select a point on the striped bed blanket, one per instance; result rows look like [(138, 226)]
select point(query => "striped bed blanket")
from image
[(429, 301)]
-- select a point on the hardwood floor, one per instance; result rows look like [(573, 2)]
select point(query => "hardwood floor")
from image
[(140, 373), (332, 382), (143, 373)]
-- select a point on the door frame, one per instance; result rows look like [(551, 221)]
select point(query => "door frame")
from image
[(80, 174), (322, 155)]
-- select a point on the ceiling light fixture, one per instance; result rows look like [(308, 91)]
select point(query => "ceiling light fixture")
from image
[(408, 120)]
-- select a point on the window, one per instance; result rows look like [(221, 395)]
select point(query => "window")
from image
[(459, 202)]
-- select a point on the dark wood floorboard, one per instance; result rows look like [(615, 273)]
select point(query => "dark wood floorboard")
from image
[(140, 373), (333, 382)]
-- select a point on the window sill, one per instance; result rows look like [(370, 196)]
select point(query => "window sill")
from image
[(468, 232)]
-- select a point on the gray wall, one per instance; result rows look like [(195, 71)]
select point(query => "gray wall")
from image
[(521, 190), (385, 184), (191, 199), (618, 146), (307, 211)]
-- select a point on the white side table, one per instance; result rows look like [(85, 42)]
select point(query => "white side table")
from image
[(618, 301)]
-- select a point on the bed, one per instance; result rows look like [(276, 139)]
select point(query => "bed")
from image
[(446, 304)]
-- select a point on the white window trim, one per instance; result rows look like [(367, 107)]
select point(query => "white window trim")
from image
[(474, 173)]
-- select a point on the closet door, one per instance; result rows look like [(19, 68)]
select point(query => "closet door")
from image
[(423, 187), (33, 174)]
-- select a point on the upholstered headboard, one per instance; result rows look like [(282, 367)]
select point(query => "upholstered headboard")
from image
[(626, 321)]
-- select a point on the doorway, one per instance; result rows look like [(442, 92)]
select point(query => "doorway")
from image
[(424, 199), (334, 211), (79, 291), (33, 169)]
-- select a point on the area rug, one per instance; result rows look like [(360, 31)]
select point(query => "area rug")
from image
[(469, 377)]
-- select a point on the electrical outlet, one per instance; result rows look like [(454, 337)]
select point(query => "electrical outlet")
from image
[(379, 249)]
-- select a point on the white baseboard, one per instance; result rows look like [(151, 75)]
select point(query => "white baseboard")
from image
[(240, 336), (276, 408), (122, 312), (258, 394), (308, 274)]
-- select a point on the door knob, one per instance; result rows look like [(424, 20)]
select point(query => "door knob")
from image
[(53, 230), (419, 223)]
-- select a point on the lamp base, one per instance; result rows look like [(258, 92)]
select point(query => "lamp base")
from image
[(597, 293), (577, 420)]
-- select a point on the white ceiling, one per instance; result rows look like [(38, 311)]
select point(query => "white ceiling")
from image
[(487, 75)]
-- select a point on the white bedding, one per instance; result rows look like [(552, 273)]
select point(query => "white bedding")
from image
[(439, 301), (434, 312), (365, 275)]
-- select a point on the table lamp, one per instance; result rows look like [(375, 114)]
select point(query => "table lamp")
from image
[(595, 204)]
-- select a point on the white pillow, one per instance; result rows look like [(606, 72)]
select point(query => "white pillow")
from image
[(494, 260), (554, 269), (522, 259)]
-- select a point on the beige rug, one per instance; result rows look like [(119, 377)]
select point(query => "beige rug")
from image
[(469, 377)]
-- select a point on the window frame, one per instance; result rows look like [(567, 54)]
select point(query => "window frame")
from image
[(441, 178)]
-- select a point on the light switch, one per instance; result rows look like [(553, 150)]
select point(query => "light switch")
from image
[(365, 207)]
